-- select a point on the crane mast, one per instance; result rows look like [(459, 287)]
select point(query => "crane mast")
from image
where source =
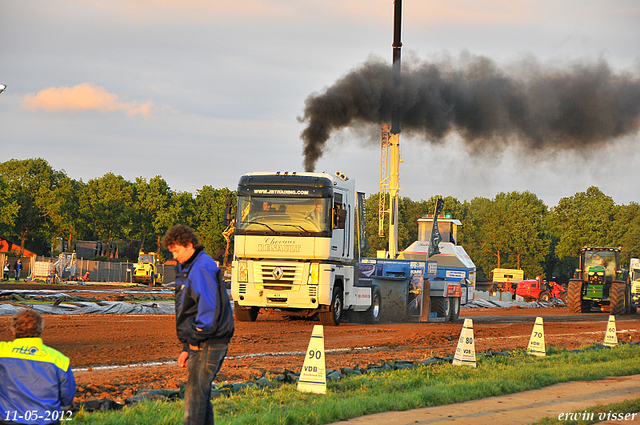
[(394, 137)]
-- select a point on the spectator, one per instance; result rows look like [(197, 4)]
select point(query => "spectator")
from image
[(36, 381), (6, 270), (204, 320), (17, 267)]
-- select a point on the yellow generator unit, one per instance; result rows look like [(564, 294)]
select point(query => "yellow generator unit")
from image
[(146, 269)]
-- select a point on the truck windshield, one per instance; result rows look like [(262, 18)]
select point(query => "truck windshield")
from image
[(268, 215)]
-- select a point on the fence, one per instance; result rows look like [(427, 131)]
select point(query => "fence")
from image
[(105, 271)]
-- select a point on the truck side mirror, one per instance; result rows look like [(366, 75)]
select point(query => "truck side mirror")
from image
[(339, 218), (227, 216)]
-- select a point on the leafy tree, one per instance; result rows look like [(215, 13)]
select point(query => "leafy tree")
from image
[(583, 219), (209, 204), (626, 231), (507, 232), (8, 207), (106, 205), (60, 208), (151, 199), (180, 210), (484, 244), (28, 180), (526, 240)]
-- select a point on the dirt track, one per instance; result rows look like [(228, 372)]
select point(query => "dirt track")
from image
[(123, 341)]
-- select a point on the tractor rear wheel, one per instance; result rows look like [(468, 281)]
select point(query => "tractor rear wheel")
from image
[(544, 296), (574, 297), (455, 309), (442, 306), (618, 298), (245, 314)]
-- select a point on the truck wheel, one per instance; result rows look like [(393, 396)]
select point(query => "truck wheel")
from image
[(544, 296), (245, 314), (618, 298), (442, 306), (574, 297), (333, 317), (455, 309), (372, 315)]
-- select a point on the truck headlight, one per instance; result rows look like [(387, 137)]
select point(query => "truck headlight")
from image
[(243, 276), (314, 274)]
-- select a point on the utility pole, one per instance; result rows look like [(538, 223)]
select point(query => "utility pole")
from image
[(394, 138)]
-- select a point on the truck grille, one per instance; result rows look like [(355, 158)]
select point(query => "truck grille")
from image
[(291, 275), (242, 288)]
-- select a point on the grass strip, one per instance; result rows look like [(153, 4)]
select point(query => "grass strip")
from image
[(393, 390), (622, 412)]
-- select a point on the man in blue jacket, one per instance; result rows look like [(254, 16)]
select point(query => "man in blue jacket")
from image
[(36, 381), (204, 320)]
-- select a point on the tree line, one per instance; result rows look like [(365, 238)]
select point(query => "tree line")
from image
[(40, 205)]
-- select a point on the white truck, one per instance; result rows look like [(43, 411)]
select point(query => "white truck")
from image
[(634, 278), (294, 249)]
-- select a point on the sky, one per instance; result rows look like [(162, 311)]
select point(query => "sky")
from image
[(204, 91)]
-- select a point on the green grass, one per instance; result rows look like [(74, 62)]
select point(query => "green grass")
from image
[(393, 390)]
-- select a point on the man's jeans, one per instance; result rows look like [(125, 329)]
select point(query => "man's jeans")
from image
[(203, 365)]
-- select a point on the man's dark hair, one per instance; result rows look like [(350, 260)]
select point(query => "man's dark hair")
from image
[(27, 324), (180, 235)]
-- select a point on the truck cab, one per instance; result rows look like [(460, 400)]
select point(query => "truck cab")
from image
[(294, 247), (634, 278)]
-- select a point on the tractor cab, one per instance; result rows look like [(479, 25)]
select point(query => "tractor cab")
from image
[(599, 282)]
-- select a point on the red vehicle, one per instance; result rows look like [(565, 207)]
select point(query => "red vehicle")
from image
[(540, 290)]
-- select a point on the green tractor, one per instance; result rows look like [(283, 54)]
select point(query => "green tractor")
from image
[(599, 282)]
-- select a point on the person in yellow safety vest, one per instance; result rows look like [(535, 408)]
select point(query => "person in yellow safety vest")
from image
[(36, 381)]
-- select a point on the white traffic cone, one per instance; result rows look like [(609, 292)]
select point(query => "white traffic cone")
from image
[(466, 350), (611, 337), (313, 378), (536, 342)]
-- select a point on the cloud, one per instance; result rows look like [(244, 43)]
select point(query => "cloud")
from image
[(81, 98)]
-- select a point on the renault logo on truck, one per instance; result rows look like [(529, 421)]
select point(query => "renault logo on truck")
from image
[(277, 273)]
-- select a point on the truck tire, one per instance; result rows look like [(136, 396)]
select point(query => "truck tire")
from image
[(372, 315), (544, 296), (333, 317), (574, 297), (455, 309), (442, 306), (618, 298), (245, 314)]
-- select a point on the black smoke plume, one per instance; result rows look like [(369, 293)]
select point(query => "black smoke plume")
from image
[(579, 107)]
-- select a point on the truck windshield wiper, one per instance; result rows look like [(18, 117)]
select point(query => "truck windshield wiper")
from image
[(263, 224), (298, 226)]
